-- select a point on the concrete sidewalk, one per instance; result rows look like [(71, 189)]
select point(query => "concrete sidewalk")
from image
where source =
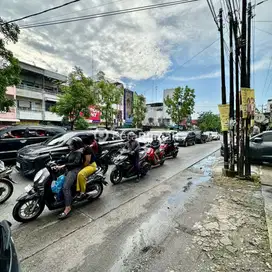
[(266, 181)]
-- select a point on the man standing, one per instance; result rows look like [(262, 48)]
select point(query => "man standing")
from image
[(133, 146)]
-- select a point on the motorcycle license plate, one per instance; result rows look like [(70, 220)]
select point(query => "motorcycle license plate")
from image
[(18, 165), (28, 188)]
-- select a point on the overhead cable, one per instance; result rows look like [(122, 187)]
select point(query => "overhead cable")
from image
[(106, 14), (41, 12)]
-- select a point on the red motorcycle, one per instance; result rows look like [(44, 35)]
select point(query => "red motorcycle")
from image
[(151, 151), (170, 148)]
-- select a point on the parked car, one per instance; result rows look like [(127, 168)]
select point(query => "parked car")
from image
[(13, 138), (148, 137), (260, 148), (32, 158), (209, 136), (201, 138), (185, 138), (215, 136), (125, 131)]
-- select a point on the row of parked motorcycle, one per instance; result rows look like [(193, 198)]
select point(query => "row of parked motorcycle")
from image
[(32, 203)]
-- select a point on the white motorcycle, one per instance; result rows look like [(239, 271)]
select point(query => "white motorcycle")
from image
[(6, 186)]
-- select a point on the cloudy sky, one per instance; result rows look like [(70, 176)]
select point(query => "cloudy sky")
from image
[(145, 49)]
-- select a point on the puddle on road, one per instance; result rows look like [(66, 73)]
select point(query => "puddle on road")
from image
[(152, 232)]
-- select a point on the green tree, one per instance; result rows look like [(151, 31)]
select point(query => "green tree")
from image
[(209, 121), (76, 97), (181, 104), (139, 110), (109, 95), (9, 66), (81, 124)]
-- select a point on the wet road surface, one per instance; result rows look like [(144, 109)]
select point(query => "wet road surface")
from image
[(103, 235)]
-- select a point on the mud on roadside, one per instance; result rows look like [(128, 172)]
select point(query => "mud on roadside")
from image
[(233, 236)]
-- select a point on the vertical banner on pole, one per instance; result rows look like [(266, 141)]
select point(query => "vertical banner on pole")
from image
[(248, 102), (224, 116)]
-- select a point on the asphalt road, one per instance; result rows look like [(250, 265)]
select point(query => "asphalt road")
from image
[(100, 236)]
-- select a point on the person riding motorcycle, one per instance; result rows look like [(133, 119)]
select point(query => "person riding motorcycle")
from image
[(155, 144), (133, 146), (89, 164), (73, 165)]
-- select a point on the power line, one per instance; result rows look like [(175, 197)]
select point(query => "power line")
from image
[(82, 10), (106, 14), (264, 31), (268, 71), (41, 12)]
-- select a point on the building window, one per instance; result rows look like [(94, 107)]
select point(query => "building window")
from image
[(49, 104)]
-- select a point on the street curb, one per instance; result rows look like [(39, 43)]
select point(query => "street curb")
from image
[(267, 197), (201, 159)]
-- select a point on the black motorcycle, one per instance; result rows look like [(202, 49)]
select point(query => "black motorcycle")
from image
[(31, 204), (6, 187), (103, 161), (124, 168), (9, 261)]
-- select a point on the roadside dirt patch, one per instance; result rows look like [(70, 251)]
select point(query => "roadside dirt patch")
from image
[(233, 236)]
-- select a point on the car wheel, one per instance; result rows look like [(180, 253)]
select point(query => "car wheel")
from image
[(185, 143)]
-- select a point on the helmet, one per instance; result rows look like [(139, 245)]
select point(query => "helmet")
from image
[(75, 143), (131, 136)]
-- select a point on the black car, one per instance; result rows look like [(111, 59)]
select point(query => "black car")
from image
[(260, 148), (31, 159), (200, 137), (185, 138), (14, 138), (9, 261)]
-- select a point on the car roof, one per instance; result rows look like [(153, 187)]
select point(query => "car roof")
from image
[(10, 128)]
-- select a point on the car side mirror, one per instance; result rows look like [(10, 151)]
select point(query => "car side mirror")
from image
[(258, 140)]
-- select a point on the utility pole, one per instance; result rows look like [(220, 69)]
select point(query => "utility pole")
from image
[(237, 94), (248, 119), (224, 100), (243, 80), (231, 98)]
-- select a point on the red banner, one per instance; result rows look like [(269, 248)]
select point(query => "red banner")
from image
[(95, 114)]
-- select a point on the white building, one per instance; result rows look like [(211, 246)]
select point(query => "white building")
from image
[(34, 96)]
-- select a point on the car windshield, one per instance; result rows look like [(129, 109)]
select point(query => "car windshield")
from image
[(57, 140), (183, 134)]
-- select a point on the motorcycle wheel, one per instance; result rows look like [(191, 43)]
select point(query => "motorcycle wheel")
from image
[(6, 190), (145, 168), (116, 176), (162, 161), (18, 209), (175, 155), (104, 168), (99, 188)]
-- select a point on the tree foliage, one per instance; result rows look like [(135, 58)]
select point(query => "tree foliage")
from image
[(77, 95), (81, 124), (139, 110), (181, 104), (109, 95), (9, 66), (209, 121)]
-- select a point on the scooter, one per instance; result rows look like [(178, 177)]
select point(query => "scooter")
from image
[(6, 186), (31, 204), (103, 161), (151, 152), (170, 148), (124, 168)]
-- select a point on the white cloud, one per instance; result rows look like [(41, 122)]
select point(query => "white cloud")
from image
[(136, 46), (200, 77)]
